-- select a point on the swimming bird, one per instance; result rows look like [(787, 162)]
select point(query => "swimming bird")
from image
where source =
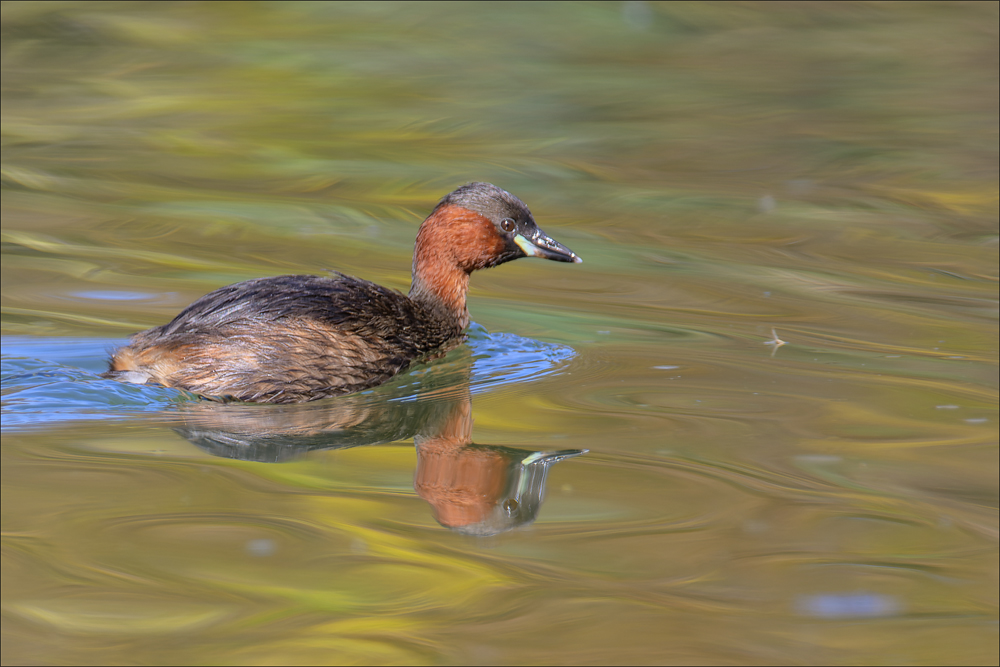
[(297, 338)]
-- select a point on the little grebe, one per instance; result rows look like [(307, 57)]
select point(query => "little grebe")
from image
[(291, 339)]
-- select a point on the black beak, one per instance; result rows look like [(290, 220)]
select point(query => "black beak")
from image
[(537, 243)]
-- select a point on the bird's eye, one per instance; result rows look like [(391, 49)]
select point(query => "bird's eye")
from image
[(510, 506), (507, 225)]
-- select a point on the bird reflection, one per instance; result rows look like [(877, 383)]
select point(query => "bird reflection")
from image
[(472, 489)]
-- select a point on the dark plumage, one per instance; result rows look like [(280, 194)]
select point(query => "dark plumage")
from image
[(290, 339)]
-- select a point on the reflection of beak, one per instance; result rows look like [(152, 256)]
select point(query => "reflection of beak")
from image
[(542, 245), (528, 489), (552, 457)]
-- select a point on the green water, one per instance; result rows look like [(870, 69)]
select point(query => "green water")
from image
[(824, 173)]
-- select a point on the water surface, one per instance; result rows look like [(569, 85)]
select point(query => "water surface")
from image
[(733, 175)]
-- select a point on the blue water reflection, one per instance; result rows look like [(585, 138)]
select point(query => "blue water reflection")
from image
[(848, 605), (48, 380)]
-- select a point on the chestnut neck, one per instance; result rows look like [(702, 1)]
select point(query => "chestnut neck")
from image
[(452, 243)]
